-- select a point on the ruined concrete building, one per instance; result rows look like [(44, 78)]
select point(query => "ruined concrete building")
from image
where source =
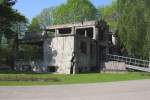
[(75, 48)]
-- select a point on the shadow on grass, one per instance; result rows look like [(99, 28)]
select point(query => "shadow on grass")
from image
[(27, 76), (21, 72), (31, 79)]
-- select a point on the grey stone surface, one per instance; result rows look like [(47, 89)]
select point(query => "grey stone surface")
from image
[(127, 90), (58, 52), (115, 66)]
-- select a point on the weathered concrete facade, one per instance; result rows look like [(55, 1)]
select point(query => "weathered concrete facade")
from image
[(58, 53), (75, 48)]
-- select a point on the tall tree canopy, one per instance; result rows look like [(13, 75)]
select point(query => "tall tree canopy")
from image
[(134, 25), (74, 11), (9, 21), (132, 19), (71, 11), (110, 14), (45, 18), (34, 27), (9, 17)]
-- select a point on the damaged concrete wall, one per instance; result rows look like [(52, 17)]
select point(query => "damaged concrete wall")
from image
[(115, 66), (58, 52), (85, 59)]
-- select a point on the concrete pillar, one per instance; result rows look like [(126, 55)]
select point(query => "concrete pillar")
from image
[(73, 30), (96, 33), (85, 33), (56, 32), (96, 37)]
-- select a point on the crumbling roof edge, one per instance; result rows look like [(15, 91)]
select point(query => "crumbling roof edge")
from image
[(86, 23)]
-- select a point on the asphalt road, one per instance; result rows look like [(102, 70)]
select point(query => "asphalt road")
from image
[(127, 90)]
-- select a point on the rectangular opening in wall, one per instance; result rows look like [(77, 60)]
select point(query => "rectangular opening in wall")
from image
[(89, 32), (83, 47), (80, 32), (52, 68), (50, 32), (85, 32), (64, 31)]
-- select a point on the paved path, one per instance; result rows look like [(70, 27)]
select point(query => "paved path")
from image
[(128, 90)]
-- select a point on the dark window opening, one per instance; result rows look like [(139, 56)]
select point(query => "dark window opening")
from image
[(50, 32), (83, 47), (65, 31), (52, 68), (80, 32), (89, 32), (110, 39)]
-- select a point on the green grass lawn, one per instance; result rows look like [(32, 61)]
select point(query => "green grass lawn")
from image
[(26, 79)]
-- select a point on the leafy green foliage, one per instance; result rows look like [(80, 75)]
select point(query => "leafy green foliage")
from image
[(1, 1), (34, 26), (29, 53), (74, 11), (133, 26), (110, 14), (8, 2), (45, 18), (132, 19), (5, 56), (8, 18)]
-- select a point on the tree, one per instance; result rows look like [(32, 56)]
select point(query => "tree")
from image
[(110, 14), (8, 2), (8, 18), (133, 26), (30, 52), (45, 18), (74, 11), (131, 18), (34, 27)]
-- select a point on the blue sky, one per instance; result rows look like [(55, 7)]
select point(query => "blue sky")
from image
[(31, 8)]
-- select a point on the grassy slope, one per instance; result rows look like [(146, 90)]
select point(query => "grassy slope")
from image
[(68, 79)]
